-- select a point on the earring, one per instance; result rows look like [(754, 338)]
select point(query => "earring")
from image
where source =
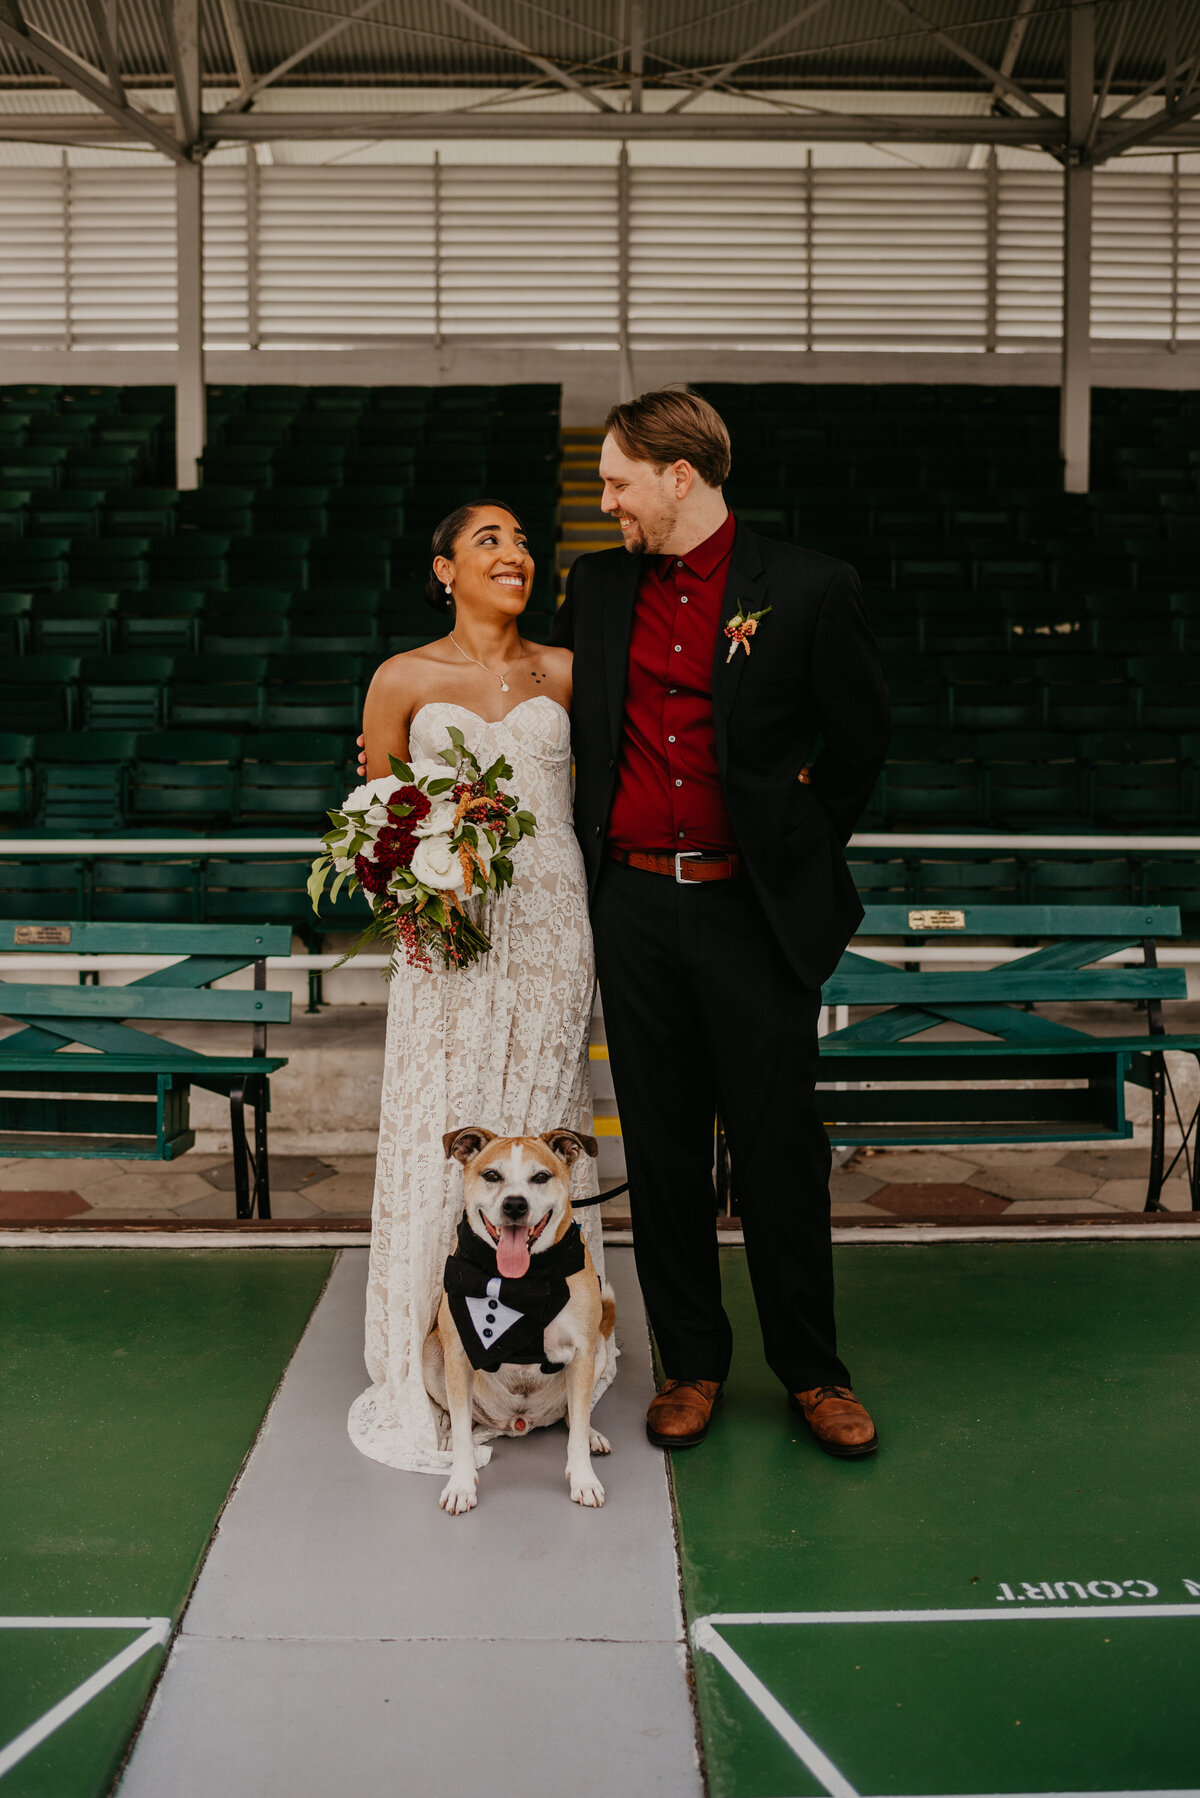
[(449, 592)]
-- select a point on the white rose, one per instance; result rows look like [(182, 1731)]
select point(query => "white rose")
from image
[(382, 787), (431, 767), (440, 821), (377, 816), (435, 864)]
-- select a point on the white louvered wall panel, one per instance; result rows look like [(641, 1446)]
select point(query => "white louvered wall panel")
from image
[(1189, 259), (33, 295), (1132, 255), (899, 260), (345, 256), (1029, 258), (718, 256), (226, 257), (121, 230), (528, 254)]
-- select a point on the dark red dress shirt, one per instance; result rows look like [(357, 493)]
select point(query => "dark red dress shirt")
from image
[(668, 793)]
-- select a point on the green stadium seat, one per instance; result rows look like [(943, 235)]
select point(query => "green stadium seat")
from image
[(108, 465), (274, 396), (927, 574), (238, 465), (1168, 690), (353, 556), (1173, 880), (38, 693), (66, 512), (55, 430), (335, 596), (38, 563), (303, 511), (33, 470), (82, 781), (931, 778), (196, 558), (310, 464), (1085, 692), (187, 776), (217, 690), (266, 889), (949, 623), (270, 429), (96, 400), (73, 622), (943, 880), (1185, 620), (293, 775), (119, 563), (368, 508), (918, 690), (987, 692), (341, 633), (1127, 624), (150, 891), (141, 512), (1090, 880), (159, 618), (124, 691), (14, 432), (227, 511), (274, 557), (1034, 780), (33, 396), (1135, 779), (51, 890), (252, 633), (317, 692), (14, 622), (16, 777)]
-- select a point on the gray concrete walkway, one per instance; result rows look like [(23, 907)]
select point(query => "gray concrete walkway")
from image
[(347, 1637)]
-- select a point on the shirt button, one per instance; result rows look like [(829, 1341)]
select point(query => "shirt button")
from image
[(670, 739), (683, 599), (679, 649), (678, 783), (679, 564), (673, 691), (682, 834)]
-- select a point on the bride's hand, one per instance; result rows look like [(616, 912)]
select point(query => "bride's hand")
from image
[(362, 759)]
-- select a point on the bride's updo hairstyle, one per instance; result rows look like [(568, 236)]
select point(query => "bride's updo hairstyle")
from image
[(447, 535)]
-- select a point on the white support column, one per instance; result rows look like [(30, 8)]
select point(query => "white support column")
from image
[(190, 400), (1075, 417), (625, 362)]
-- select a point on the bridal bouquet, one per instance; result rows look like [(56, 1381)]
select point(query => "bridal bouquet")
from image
[(421, 843)]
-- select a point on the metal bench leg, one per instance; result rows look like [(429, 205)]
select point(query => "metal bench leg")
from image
[(316, 990), (1158, 1132), (262, 1173), (241, 1168)]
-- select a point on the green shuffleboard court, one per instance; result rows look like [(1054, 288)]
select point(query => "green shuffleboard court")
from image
[(1004, 1600), (132, 1386)]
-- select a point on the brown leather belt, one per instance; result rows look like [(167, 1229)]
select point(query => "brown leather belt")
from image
[(685, 868)]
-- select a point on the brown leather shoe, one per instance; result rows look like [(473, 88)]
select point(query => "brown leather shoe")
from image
[(838, 1422), (680, 1414)]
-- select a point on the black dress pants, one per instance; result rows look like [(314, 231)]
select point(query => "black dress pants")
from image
[(702, 1012)]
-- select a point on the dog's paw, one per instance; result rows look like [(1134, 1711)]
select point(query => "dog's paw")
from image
[(586, 1489), (458, 1498), (600, 1445)]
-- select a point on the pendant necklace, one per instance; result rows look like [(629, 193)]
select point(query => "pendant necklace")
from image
[(504, 687)]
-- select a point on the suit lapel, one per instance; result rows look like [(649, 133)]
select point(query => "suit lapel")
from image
[(618, 623), (747, 585)]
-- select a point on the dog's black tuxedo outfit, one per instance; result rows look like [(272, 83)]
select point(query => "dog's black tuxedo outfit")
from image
[(500, 1320), (712, 991)]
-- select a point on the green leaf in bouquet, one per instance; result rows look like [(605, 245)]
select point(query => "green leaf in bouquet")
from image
[(400, 811), (435, 788), (337, 886), (528, 823), (468, 834), (400, 769), (317, 878)]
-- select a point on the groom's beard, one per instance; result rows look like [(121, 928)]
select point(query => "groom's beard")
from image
[(647, 538)]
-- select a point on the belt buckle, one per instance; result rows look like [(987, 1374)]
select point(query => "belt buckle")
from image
[(685, 855)]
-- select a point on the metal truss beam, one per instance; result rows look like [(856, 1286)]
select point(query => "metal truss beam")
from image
[(1144, 131), (235, 31), (554, 70), (107, 49), (721, 75), (1004, 82), (180, 27), (251, 90), (73, 74), (1008, 62), (731, 127)]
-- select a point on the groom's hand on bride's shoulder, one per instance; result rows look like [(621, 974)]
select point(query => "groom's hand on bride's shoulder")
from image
[(362, 759)]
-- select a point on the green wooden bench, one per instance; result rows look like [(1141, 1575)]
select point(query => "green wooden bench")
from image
[(126, 1097), (881, 1084)]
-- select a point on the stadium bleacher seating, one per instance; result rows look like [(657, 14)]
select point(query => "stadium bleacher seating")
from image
[(1043, 649)]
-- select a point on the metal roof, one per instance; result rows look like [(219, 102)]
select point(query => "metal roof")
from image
[(861, 44)]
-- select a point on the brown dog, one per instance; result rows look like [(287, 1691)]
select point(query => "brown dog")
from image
[(521, 1282)]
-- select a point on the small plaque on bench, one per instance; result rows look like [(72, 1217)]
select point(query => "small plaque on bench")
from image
[(937, 920), (41, 936)]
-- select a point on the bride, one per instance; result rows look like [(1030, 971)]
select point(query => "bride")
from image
[(503, 1043)]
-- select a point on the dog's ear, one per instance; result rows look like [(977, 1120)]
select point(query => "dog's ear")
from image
[(569, 1145), (465, 1144)]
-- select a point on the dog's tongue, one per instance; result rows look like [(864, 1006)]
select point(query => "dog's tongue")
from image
[(512, 1252)]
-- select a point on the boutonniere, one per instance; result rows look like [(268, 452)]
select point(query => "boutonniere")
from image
[(741, 628)]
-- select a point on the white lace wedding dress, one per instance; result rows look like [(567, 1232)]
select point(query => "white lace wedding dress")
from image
[(504, 1044)]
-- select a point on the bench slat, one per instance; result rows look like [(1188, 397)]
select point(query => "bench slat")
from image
[(93, 1034), (249, 940), (1130, 921), (89, 1069), (139, 1001), (961, 987)]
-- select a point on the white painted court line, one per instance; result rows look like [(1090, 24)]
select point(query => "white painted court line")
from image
[(155, 1632), (706, 1639)]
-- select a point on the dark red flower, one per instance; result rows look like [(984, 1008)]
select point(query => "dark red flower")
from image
[(413, 797), (372, 875), (394, 846)]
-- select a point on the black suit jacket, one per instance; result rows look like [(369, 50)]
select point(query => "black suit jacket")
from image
[(813, 671)]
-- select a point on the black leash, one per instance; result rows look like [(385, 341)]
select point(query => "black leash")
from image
[(601, 1198)]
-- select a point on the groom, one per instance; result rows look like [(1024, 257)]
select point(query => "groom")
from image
[(720, 895)]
